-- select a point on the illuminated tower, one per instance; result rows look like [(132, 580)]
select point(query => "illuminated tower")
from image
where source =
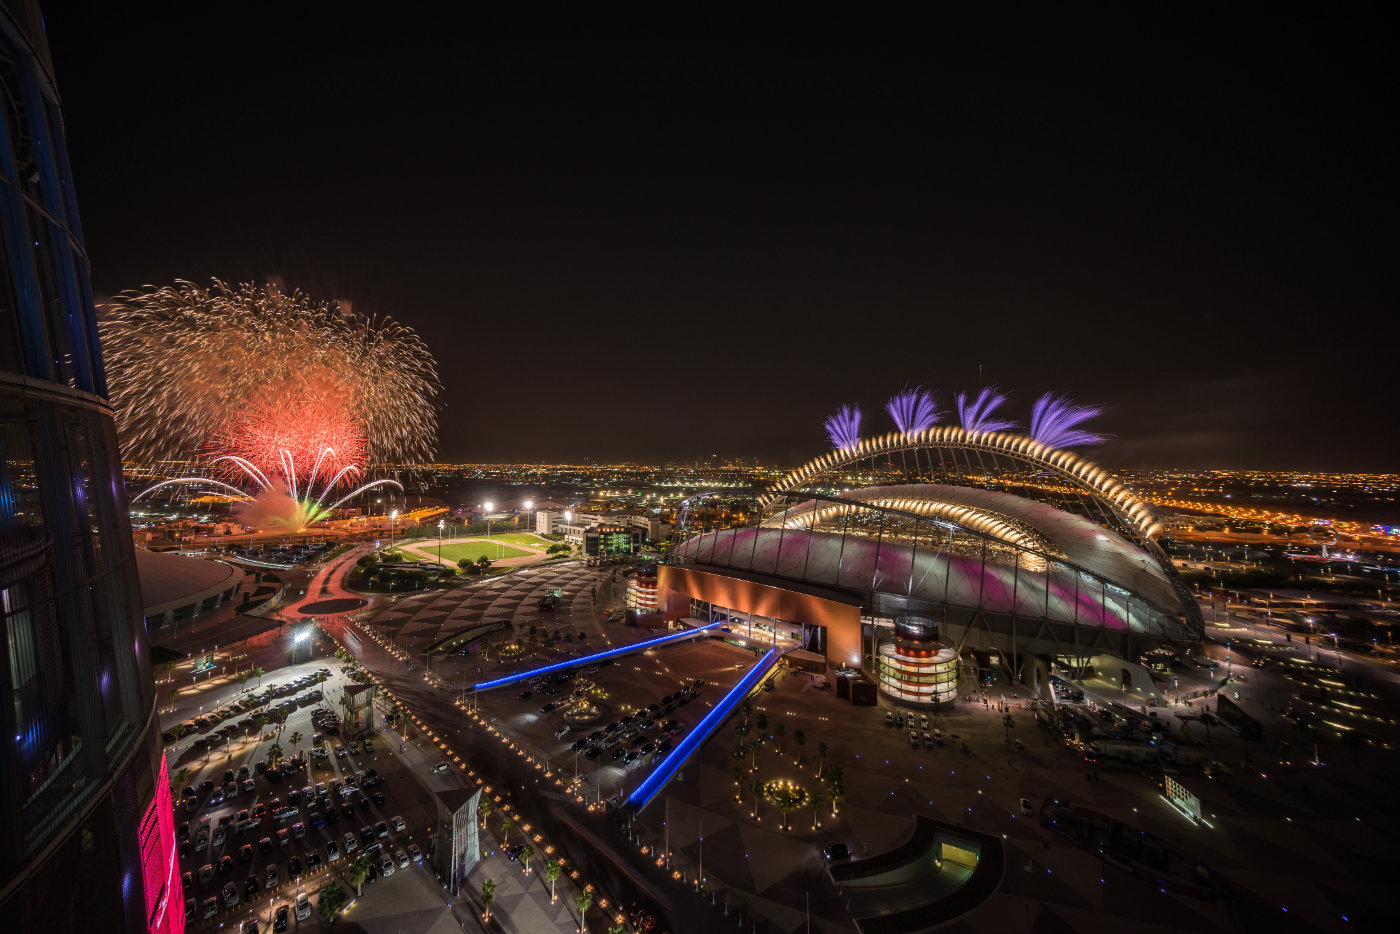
[(85, 844)]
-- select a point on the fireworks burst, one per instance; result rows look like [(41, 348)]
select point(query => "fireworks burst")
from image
[(843, 428), (913, 410), (185, 363), (1054, 419), (284, 396), (976, 414)]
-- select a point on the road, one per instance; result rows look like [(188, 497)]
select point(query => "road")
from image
[(590, 840)]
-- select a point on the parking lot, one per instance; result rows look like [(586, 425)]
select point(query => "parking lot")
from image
[(256, 840), (643, 704)]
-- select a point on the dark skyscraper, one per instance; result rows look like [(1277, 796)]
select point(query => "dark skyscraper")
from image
[(84, 843)]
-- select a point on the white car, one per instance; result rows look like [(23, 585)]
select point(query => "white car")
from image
[(386, 865), (441, 767)]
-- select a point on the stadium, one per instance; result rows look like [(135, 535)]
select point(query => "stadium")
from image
[(934, 561)]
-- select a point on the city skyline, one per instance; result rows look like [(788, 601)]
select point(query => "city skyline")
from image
[(628, 251)]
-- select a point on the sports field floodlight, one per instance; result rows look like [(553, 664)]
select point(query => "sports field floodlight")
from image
[(302, 636)]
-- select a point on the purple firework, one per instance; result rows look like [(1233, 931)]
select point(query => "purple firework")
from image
[(913, 410), (1053, 421), (843, 428), (976, 415)]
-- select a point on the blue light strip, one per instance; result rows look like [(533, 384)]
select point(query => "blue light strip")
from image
[(588, 659), (653, 783)]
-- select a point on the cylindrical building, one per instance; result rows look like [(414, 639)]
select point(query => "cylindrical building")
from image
[(84, 843), (914, 669)]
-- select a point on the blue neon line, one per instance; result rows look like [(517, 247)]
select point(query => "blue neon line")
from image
[(573, 662), (662, 774)]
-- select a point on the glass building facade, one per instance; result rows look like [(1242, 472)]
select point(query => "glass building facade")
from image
[(83, 842)]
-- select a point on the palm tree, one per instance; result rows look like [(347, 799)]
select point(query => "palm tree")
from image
[(800, 738), (756, 789), (821, 758), (739, 783), (754, 746), (507, 822), (835, 788), (552, 871), (259, 672), (359, 872), (178, 731), (488, 895), (332, 899), (778, 732), (173, 693), (295, 739), (1008, 721), (762, 723), (275, 753), (260, 722), (243, 677), (178, 781), (526, 855), (817, 798), (584, 902), (484, 809)]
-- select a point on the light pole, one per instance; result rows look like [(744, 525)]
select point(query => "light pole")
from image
[(440, 521), (487, 507), (393, 517), (530, 505)]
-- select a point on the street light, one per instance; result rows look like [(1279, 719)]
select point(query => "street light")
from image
[(440, 521), (529, 505), (486, 508), (393, 516)]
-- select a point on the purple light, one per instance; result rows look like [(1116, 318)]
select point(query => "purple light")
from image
[(1054, 419), (843, 428), (913, 410), (976, 414)]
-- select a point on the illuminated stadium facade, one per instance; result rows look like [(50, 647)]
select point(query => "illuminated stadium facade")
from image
[(1027, 559)]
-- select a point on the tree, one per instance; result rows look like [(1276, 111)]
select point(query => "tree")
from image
[(333, 898), (739, 783), (295, 739), (488, 895), (243, 677), (484, 809), (762, 723), (359, 872), (275, 753), (835, 787), (259, 672), (173, 693), (756, 789), (552, 871), (821, 758), (178, 731), (1008, 721), (778, 732), (800, 738), (260, 722), (507, 822), (483, 562), (526, 855), (818, 798), (754, 746), (584, 902), (179, 781)]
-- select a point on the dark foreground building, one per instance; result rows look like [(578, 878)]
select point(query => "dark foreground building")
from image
[(86, 832)]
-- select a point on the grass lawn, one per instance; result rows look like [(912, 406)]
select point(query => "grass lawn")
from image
[(474, 550), (522, 538)]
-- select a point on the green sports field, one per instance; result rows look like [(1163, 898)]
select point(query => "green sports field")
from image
[(473, 550), (522, 538)]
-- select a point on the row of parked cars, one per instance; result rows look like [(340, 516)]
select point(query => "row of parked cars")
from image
[(629, 738)]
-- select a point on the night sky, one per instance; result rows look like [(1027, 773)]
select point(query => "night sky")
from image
[(654, 249)]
